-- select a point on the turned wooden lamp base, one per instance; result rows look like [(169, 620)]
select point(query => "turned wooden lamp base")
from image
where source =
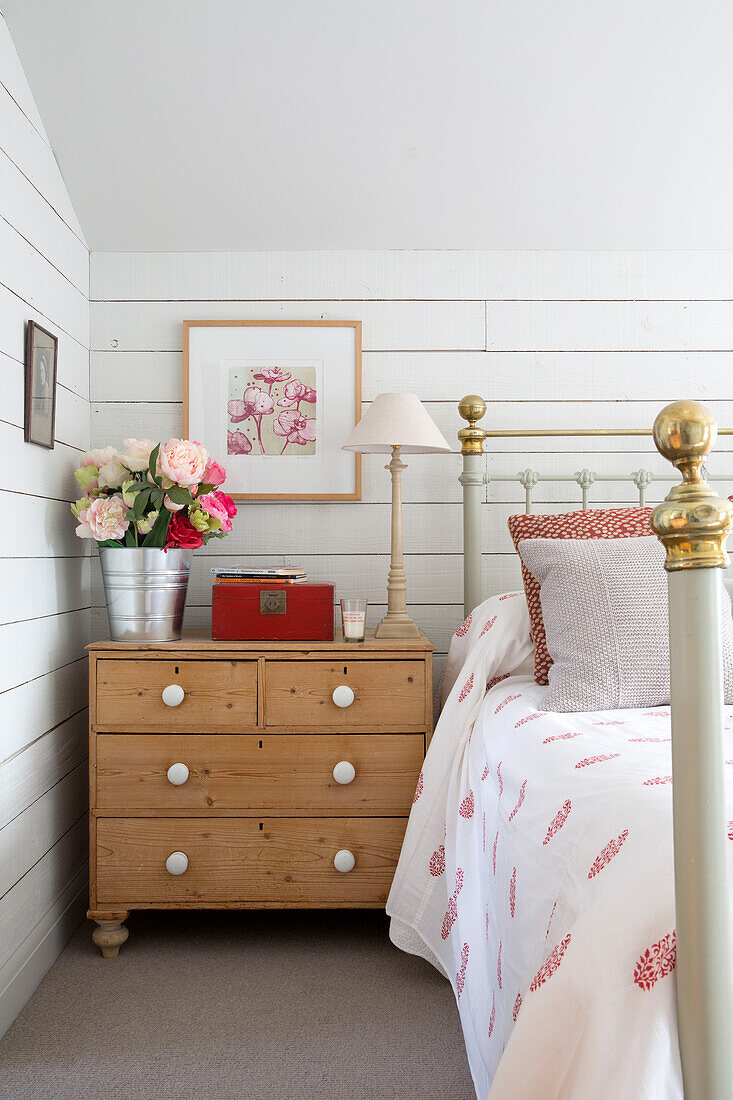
[(390, 417), (397, 626)]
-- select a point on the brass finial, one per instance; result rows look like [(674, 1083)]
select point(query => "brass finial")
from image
[(693, 522), (472, 408)]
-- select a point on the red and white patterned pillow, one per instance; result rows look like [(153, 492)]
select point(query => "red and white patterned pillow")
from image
[(595, 523)]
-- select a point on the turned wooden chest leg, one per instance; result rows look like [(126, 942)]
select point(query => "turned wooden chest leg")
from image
[(110, 934)]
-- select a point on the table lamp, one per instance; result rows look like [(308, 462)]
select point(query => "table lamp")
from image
[(396, 423)]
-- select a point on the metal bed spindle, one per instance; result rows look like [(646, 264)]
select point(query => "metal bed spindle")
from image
[(693, 524)]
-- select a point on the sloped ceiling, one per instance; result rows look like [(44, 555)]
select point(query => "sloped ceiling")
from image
[(283, 124)]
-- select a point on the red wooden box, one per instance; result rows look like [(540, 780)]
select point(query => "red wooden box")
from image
[(262, 612)]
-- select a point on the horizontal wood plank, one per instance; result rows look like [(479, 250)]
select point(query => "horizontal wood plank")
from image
[(609, 326), (31, 709), (36, 220), (157, 326), (32, 772), (31, 587), (54, 877), (30, 151), (33, 278), (73, 356), (25, 839), (425, 274), (48, 527), (37, 646)]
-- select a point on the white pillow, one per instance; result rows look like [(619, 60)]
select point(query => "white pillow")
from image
[(604, 605)]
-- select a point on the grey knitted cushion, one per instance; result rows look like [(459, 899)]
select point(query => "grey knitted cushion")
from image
[(604, 604)]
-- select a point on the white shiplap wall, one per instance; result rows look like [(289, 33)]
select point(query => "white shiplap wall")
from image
[(44, 570), (598, 339)]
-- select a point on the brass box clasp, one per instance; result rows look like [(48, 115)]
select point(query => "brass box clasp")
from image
[(272, 603)]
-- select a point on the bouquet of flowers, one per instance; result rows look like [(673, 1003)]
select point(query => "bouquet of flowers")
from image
[(152, 494)]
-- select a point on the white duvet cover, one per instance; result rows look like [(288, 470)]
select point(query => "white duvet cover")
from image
[(537, 875)]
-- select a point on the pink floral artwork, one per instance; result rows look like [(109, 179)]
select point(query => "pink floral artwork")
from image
[(272, 410)]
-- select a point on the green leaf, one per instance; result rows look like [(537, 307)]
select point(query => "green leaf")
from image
[(130, 539), (180, 495), (156, 498), (142, 499), (158, 534), (153, 463), (111, 542)]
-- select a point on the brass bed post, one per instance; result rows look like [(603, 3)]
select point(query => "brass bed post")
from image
[(472, 408), (693, 524)]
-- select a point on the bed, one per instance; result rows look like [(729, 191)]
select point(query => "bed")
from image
[(540, 871)]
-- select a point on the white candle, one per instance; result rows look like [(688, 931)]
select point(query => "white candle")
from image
[(353, 619)]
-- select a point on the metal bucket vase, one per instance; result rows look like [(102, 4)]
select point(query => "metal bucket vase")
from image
[(145, 591)]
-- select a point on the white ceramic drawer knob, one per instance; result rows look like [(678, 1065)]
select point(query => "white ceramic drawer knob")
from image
[(177, 774), (173, 695), (177, 863), (344, 860), (343, 696), (344, 772)]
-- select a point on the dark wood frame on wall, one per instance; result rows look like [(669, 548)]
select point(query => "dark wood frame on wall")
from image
[(30, 344)]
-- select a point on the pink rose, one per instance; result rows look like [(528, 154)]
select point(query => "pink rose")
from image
[(255, 402), (215, 508), (103, 520), (136, 455), (214, 474), (295, 427), (238, 443), (227, 503), (183, 461)]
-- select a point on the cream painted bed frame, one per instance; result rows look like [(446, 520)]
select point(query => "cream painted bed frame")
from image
[(693, 524)]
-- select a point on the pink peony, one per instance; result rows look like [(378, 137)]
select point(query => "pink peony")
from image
[(103, 520), (183, 461), (272, 375), (255, 402), (171, 505), (238, 443), (226, 501), (215, 508), (214, 474), (98, 457), (136, 455), (112, 474), (295, 392), (294, 426)]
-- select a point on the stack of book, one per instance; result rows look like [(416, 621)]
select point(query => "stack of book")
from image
[(254, 575)]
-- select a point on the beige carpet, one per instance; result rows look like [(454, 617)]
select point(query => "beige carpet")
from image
[(228, 1006)]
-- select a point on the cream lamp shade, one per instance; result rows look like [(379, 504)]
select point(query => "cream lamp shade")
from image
[(396, 420), (396, 423)]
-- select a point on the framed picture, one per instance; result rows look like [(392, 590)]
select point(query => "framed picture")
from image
[(274, 401), (41, 353)]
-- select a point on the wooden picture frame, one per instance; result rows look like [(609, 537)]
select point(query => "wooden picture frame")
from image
[(327, 377), (41, 359)]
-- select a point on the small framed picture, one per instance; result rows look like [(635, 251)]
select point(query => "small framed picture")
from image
[(41, 352), (276, 399)]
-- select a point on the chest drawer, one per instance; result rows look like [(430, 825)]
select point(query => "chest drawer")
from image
[(258, 774), (246, 861), (214, 695), (378, 695)]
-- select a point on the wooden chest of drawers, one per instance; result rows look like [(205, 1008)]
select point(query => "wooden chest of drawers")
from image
[(251, 775)]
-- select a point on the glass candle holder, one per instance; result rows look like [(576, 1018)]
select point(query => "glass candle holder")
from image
[(353, 619)]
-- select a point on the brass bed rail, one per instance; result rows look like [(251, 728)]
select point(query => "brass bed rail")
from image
[(693, 523)]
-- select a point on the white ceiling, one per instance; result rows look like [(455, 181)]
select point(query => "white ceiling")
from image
[(286, 124)]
